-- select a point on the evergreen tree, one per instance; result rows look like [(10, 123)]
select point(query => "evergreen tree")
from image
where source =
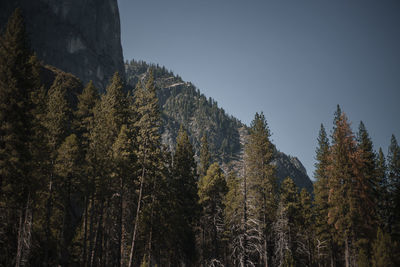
[(68, 194), (306, 230), (383, 250), (58, 126), (393, 158), (382, 191), (340, 182), (109, 114), (84, 114), (212, 189), (287, 226), (344, 185), (261, 182), (124, 166), (366, 183), (234, 220), (324, 240), (147, 150), (186, 208), (19, 79)]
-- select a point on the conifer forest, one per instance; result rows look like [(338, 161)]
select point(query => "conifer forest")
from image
[(86, 180)]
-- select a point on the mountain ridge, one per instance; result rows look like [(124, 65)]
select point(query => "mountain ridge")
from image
[(182, 103)]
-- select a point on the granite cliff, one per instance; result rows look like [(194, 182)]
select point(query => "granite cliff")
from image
[(77, 36)]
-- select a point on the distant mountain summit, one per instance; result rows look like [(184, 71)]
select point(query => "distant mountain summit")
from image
[(77, 36), (183, 104)]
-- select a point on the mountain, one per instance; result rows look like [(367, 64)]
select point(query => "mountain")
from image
[(77, 36), (82, 37), (183, 104)]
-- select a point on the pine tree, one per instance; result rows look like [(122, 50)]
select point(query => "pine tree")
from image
[(58, 126), (147, 150), (68, 194), (324, 241), (234, 220), (124, 163), (212, 189), (340, 180), (19, 79), (306, 230), (366, 187), (261, 182), (382, 191), (287, 226), (393, 158), (84, 114), (383, 250), (186, 208), (109, 114), (349, 191)]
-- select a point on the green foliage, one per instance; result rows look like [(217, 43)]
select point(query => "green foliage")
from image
[(212, 189), (393, 158), (186, 207), (19, 128), (205, 156), (261, 183), (383, 250), (362, 259)]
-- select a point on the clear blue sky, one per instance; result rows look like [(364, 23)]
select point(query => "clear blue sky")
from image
[(293, 60)]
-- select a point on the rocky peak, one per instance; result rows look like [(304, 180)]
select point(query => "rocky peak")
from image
[(78, 36)]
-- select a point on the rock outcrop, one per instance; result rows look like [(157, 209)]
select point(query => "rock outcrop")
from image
[(77, 36)]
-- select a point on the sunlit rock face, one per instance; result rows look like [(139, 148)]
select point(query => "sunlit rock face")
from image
[(78, 36)]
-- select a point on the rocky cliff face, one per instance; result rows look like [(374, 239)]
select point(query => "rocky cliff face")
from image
[(78, 36)]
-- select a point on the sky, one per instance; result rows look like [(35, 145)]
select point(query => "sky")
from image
[(293, 60)]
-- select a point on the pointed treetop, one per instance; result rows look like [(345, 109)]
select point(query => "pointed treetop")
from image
[(323, 141), (116, 83), (393, 156), (88, 98), (364, 141), (337, 115), (259, 124), (15, 38), (150, 81)]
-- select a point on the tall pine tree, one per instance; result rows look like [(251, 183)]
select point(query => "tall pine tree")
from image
[(19, 81), (393, 158), (186, 208), (262, 189)]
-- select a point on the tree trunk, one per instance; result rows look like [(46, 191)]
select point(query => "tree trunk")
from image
[(151, 223), (24, 235), (91, 241), (19, 246), (85, 225), (95, 251), (245, 221), (136, 218), (346, 252), (49, 207)]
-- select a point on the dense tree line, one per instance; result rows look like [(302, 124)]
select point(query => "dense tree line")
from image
[(86, 181)]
